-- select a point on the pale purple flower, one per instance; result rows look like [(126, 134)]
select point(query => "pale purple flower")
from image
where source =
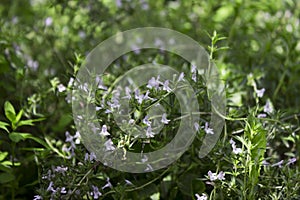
[(128, 93), (279, 164), (108, 184), (63, 190), (166, 86), (61, 169), (33, 65), (265, 163), (148, 168), (109, 145), (181, 76), (164, 119), (235, 150), (153, 83), (119, 3), (95, 193), (144, 159), (196, 126), (50, 187), (104, 131), (37, 197), (262, 115), (194, 73), (202, 197), (61, 88), (268, 108), (149, 132), (214, 176), (144, 4), (260, 93), (207, 129), (146, 121), (291, 161), (71, 81), (90, 157), (48, 21), (127, 182), (100, 83)]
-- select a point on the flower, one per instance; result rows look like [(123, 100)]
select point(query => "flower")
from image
[(207, 129), (61, 88), (153, 83), (215, 176), (95, 192), (60, 169), (164, 119), (194, 73), (91, 156), (279, 164), (48, 21), (181, 76), (109, 145), (108, 184), (235, 150), (268, 108), (196, 126), (166, 86), (202, 197), (146, 121), (144, 159), (260, 93), (37, 197), (149, 132), (104, 131), (119, 3), (291, 161), (63, 190)]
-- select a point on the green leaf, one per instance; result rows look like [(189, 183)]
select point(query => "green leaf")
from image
[(10, 112), (6, 177), (3, 155), (18, 117), (3, 126), (17, 137), (30, 122)]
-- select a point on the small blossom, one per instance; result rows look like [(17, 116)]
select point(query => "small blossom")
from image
[(194, 73), (260, 93), (95, 193), (149, 132), (127, 182), (37, 197), (153, 83), (207, 129), (291, 161), (265, 163), (268, 108), (279, 164), (104, 131), (109, 145), (181, 76), (50, 187), (196, 126), (61, 88), (48, 21), (215, 176), (166, 86), (146, 121), (235, 150), (262, 115), (60, 169), (108, 184), (164, 119), (119, 3), (202, 197), (63, 190), (148, 168), (144, 159)]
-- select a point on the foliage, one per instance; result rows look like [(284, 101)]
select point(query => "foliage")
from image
[(254, 44)]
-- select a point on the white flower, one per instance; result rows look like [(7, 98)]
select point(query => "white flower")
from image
[(144, 159), (109, 145), (96, 194), (202, 197), (37, 197), (194, 73), (221, 176), (63, 190), (164, 119), (196, 126), (260, 93), (104, 131)]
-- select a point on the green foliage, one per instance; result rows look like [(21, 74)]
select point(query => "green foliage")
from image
[(254, 44)]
